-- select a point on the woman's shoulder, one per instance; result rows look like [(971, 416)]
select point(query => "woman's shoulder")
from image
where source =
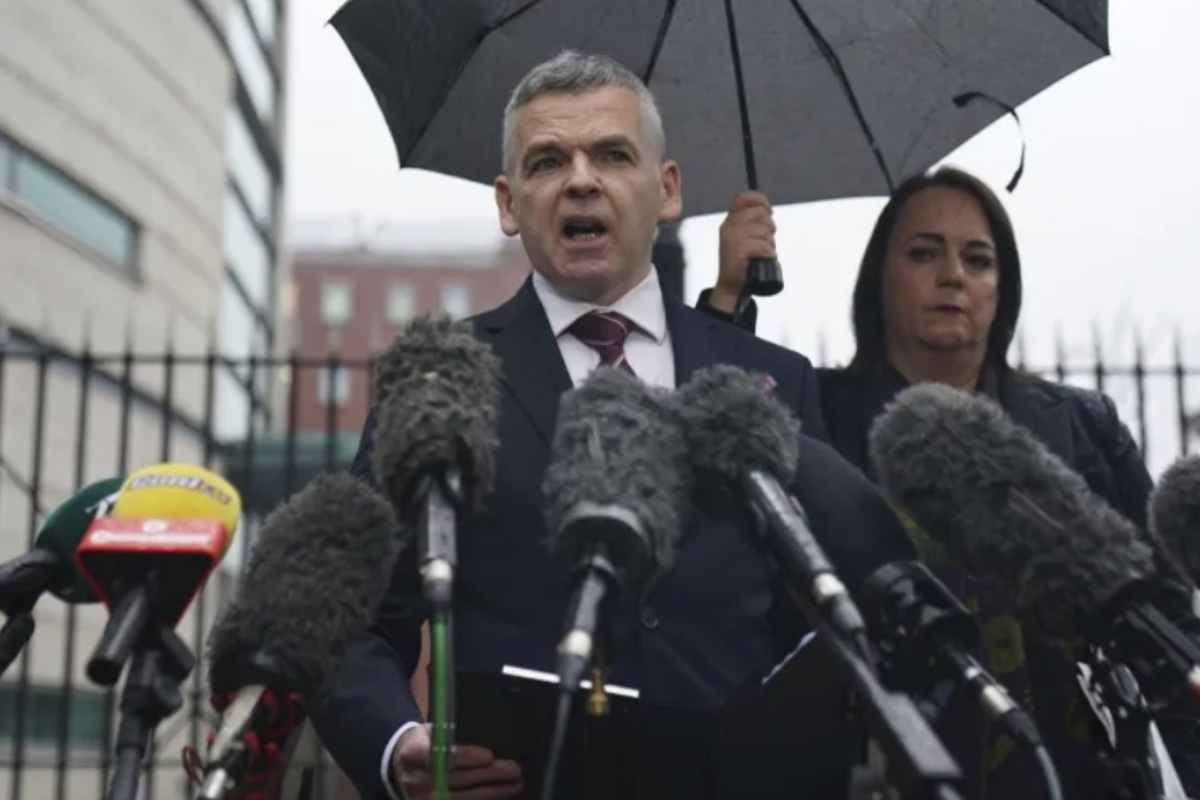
[(1093, 414), (1092, 405)]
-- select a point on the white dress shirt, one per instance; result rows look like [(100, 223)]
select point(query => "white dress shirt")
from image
[(648, 348), (648, 351)]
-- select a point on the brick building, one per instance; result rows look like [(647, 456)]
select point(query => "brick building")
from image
[(350, 300)]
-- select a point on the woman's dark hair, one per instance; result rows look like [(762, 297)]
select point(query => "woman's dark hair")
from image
[(867, 309)]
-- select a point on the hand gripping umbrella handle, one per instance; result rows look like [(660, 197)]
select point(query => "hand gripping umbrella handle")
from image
[(764, 277)]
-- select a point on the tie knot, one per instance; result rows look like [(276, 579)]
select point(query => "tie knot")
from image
[(602, 328), (605, 332)]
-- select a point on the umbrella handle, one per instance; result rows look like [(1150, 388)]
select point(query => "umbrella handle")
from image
[(763, 277)]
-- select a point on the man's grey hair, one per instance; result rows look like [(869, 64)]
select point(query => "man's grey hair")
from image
[(571, 71)]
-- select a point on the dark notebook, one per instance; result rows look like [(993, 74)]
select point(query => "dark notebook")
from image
[(789, 736)]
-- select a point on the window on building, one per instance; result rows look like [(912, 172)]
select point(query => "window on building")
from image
[(251, 63), (6, 160), (337, 377), (401, 303), (67, 205), (242, 335), (246, 253), (263, 12), (456, 300), (42, 710), (247, 165), (237, 324), (337, 303)]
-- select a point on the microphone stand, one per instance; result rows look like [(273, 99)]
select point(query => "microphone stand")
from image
[(15, 634), (915, 759), (925, 637), (439, 557), (160, 663), (578, 654), (911, 753), (1132, 753), (1143, 659)]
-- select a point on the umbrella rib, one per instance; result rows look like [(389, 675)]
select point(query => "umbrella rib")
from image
[(1075, 26), (663, 26), (747, 139), (509, 18), (835, 64)]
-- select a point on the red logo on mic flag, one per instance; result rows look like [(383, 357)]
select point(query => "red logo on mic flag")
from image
[(182, 551)]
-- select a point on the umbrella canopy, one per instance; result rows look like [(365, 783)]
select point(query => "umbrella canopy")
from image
[(827, 98)]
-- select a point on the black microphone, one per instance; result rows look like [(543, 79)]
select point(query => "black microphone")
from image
[(1175, 513), (925, 638), (615, 489), (436, 392), (738, 431), (1013, 515), (50, 565), (435, 396), (319, 568)]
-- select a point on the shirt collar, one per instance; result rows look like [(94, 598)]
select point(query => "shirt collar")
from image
[(642, 305)]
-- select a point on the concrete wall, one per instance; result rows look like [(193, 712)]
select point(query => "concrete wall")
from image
[(128, 98)]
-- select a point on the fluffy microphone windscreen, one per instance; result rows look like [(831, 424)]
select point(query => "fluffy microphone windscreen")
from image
[(180, 491), (436, 390), (1001, 503), (615, 443), (1175, 512), (733, 424), (318, 570)]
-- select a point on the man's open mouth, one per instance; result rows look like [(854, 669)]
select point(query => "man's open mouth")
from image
[(582, 229)]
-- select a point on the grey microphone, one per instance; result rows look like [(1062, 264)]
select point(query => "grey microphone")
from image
[(319, 568)]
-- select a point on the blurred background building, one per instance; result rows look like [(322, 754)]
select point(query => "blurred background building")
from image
[(354, 291), (140, 212)]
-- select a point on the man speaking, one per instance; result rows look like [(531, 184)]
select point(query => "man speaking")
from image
[(585, 183)]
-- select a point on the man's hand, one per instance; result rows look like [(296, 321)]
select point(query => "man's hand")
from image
[(476, 774), (748, 232)]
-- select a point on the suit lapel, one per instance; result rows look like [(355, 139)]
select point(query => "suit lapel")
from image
[(692, 339), (534, 372)]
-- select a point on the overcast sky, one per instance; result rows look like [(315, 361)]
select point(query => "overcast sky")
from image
[(1107, 215)]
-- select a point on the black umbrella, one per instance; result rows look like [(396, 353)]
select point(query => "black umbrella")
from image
[(805, 99)]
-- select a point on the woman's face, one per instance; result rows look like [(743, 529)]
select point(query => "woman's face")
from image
[(940, 274)]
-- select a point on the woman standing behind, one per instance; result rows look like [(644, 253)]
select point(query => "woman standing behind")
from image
[(937, 299)]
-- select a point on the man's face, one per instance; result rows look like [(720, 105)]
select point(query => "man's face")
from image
[(586, 191)]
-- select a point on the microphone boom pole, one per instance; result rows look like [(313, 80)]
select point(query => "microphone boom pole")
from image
[(437, 528), (436, 392), (740, 433)]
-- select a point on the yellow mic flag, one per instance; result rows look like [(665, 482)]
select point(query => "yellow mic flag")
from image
[(180, 491)]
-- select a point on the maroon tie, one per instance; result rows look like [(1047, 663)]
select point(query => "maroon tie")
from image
[(605, 332)]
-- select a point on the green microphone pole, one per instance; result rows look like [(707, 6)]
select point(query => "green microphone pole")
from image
[(438, 553)]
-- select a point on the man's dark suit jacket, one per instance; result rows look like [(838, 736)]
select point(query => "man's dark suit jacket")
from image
[(716, 621)]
